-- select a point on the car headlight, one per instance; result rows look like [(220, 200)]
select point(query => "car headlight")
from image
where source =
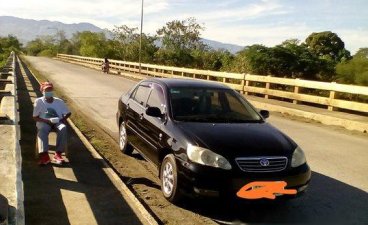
[(207, 157), (298, 157)]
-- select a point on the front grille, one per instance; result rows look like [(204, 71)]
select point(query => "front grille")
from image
[(259, 164)]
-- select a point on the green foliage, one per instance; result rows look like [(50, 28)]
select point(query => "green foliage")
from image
[(10, 43), (180, 45), (354, 71), (179, 40), (328, 45), (7, 45), (34, 47), (210, 59), (126, 42), (361, 53), (182, 35), (42, 46), (91, 44), (289, 59), (47, 53)]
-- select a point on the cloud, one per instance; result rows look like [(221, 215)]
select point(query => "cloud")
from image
[(272, 35), (244, 12), (267, 22), (354, 39), (103, 13), (269, 35)]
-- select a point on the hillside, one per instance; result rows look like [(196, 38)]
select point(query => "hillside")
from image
[(27, 29)]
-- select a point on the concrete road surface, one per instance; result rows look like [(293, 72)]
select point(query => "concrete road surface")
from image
[(78, 192), (338, 158)]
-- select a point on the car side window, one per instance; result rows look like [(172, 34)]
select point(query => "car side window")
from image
[(157, 97), (141, 94)]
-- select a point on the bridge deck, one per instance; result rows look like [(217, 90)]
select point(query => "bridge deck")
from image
[(75, 193), (336, 156)]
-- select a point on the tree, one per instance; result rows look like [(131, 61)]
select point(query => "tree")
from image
[(125, 39), (183, 34), (210, 59), (126, 43), (34, 47), (8, 44), (289, 59), (178, 40), (361, 53), (66, 47), (328, 45), (354, 71), (306, 65), (91, 44), (42, 46), (252, 59)]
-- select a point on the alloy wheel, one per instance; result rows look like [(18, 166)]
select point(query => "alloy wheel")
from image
[(168, 178)]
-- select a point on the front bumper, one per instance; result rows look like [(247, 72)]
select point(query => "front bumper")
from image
[(209, 181)]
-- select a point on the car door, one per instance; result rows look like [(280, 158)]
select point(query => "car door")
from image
[(152, 126), (135, 112)]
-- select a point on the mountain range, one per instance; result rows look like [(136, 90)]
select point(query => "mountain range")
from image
[(27, 29)]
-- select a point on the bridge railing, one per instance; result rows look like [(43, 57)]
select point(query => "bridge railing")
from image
[(330, 95), (11, 183)]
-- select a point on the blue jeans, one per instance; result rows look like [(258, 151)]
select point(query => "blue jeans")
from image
[(43, 136)]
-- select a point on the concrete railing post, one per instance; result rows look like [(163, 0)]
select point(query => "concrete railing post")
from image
[(267, 87), (296, 91), (331, 98), (242, 83), (245, 88)]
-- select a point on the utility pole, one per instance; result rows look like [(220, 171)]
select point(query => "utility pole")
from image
[(140, 41)]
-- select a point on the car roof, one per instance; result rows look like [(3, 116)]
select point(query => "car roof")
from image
[(182, 82)]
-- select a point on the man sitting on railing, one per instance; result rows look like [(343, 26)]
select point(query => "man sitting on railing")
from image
[(106, 66), (50, 113)]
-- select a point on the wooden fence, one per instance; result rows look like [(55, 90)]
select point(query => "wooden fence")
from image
[(330, 95)]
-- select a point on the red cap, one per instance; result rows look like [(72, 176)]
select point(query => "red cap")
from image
[(45, 85)]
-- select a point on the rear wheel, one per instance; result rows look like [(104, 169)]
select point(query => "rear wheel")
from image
[(125, 147), (169, 179)]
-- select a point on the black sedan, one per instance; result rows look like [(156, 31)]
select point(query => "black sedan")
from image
[(206, 139)]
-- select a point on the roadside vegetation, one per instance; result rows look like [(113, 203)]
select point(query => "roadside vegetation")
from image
[(321, 56), (7, 45)]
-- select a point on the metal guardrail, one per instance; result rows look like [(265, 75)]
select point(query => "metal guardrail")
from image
[(295, 90)]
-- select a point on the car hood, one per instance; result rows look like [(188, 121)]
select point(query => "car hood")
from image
[(239, 140)]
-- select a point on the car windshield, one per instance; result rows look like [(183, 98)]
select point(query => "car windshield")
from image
[(210, 106)]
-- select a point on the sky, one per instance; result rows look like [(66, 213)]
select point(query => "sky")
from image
[(241, 22)]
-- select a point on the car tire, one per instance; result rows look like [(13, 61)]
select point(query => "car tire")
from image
[(124, 145), (169, 179)]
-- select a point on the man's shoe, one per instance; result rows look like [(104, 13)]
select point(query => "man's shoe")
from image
[(58, 158), (44, 158)]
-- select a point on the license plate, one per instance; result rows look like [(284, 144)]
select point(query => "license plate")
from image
[(256, 187), (264, 189)]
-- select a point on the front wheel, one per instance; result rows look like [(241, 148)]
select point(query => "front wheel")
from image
[(124, 146), (169, 179)]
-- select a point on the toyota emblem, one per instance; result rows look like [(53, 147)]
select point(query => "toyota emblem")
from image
[(264, 162)]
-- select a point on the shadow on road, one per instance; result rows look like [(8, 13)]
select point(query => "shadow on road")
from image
[(78, 192), (327, 201)]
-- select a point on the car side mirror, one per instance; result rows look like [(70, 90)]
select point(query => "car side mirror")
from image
[(153, 111), (265, 114)]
